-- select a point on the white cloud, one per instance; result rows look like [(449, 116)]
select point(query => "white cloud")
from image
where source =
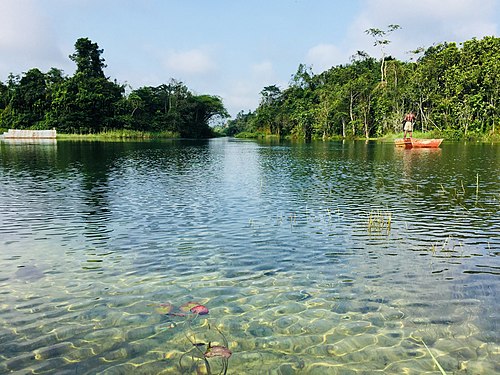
[(27, 38), (191, 62), (423, 22), (323, 57), (263, 71), (244, 93)]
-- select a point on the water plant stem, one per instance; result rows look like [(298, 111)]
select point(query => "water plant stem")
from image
[(378, 221), (477, 186), (421, 340), (433, 358)]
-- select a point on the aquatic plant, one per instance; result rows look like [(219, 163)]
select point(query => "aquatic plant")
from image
[(186, 307), (419, 339), (199, 309), (447, 247), (379, 221), (199, 352), (434, 359), (477, 187), (460, 195), (165, 308), (217, 351), (196, 308)]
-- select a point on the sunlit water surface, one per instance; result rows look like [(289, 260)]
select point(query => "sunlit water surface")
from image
[(319, 258)]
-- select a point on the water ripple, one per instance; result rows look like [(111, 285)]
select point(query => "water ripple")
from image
[(288, 245)]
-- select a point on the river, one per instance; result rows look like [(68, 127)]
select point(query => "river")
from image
[(312, 258)]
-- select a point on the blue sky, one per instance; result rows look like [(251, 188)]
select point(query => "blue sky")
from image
[(229, 48)]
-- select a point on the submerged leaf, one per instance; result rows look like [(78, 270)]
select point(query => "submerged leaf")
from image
[(200, 310), (188, 306), (165, 308), (218, 351)]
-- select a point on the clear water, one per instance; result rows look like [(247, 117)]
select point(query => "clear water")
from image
[(319, 258)]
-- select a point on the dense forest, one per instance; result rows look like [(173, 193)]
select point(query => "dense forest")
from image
[(454, 90), (88, 102)]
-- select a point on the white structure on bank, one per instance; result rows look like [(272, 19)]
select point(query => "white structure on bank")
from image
[(29, 134)]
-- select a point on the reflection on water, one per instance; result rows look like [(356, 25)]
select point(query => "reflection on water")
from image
[(274, 238)]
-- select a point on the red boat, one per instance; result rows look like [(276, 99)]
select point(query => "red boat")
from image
[(418, 143)]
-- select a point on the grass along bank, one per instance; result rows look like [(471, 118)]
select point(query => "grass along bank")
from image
[(119, 135)]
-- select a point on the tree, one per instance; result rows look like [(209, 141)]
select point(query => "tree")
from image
[(428, 86), (203, 110), (379, 36), (244, 122), (88, 58), (25, 100), (4, 96), (269, 112), (302, 100), (86, 102), (173, 108)]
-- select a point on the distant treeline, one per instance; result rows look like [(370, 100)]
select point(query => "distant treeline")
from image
[(88, 102), (454, 90)]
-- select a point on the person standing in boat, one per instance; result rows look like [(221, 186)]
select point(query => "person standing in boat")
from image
[(408, 121)]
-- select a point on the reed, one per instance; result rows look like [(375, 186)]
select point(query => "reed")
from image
[(443, 248), (379, 221), (449, 246), (121, 134), (434, 359), (460, 195), (477, 186)]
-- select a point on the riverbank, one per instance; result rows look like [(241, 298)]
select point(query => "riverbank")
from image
[(144, 135), (447, 135), (119, 135)]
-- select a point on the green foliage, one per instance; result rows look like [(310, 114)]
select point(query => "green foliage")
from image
[(122, 134), (455, 91), (244, 122), (89, 103), (88, 59), (170, 107), (83, 104)]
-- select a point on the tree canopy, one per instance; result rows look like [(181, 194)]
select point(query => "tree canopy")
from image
[(454, 89), (88, 102)]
